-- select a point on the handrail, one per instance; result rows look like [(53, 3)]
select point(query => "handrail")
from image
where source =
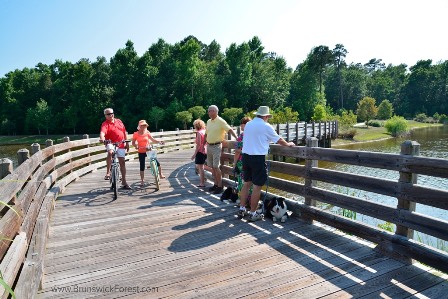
[(406, 190), (31, 190)]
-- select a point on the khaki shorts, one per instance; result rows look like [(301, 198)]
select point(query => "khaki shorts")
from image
[(214, 155)]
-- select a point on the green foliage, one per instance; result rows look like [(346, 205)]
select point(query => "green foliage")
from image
[(349, 214), (385, 110), (319, 113), (386, 226), (375, 123), (421, 117), (231, 114), (366, 109), (443, 118), (347, 134), (397, 126), (155, 115), (189, 73), (184, 117), (347, 119), (284, 115), (197, 111)]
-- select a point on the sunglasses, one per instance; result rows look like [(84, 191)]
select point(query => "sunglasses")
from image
[(109, 113)]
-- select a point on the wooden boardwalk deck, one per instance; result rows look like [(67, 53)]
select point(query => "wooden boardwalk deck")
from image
[(182, 242)]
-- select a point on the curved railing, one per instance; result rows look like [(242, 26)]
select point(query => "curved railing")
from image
[(32, 188), (30, 192)]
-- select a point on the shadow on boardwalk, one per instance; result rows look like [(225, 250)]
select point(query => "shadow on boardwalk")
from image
[(182, 242)]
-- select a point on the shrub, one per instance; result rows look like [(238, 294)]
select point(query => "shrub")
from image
[(397, 126), (385, 110), (443, 118), (375, 123), (421, 117), (348, 134)]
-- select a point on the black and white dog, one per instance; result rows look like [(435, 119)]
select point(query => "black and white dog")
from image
[(276, 209)]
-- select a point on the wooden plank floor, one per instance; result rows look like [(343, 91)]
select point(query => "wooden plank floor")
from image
[(182, 242)]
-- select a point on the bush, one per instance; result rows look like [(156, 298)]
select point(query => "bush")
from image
[(421, 117), (375, 123), (443, 119), (397, 126), (348, 134)]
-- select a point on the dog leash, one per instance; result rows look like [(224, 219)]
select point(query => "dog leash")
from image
[(268, 168)]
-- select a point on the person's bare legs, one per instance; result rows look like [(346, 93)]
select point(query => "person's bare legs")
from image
[(160, 172), (218, 177), (142, 176), (108, 162), (244, 193), (200, 168), (255, 197), (123, 171)]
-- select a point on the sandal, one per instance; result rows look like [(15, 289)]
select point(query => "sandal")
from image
[(200, 186), (126, 187), (107, 177)]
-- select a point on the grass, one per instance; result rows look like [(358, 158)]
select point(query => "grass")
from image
[(376, 133)]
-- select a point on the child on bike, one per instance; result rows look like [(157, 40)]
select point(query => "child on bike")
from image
[(141, 140)]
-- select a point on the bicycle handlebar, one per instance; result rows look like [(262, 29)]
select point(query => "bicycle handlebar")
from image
[(108, 141)]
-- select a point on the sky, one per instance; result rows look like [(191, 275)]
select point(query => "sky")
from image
[(396, 31)]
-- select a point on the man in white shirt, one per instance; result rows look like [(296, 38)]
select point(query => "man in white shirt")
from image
[(258, 134)]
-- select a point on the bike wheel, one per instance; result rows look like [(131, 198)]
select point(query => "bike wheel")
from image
[(155, 172), (115, 177)]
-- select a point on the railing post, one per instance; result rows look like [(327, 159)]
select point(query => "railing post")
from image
[(86, 136), (49, 143), (22, 155), (35, 147), (309, 183), (408, 148), (5, 167), (177, 139), (67, 139)]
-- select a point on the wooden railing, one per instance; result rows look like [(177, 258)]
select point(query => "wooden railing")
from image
[(30, 192), (407, 164), (299, 132)]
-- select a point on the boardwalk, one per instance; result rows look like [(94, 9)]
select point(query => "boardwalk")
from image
[(182, 242)]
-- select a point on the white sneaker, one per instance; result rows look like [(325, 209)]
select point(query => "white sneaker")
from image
[(255, 217)]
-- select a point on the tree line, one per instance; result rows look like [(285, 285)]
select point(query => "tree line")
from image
[(169, 84)]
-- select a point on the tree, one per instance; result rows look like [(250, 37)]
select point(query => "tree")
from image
[(184, 117), (285, 115), (385, 110), (197, 111), (320, 57), (339, 54), (367, 109), (231, 114), (43, 115), (155, 115), (319, 113)]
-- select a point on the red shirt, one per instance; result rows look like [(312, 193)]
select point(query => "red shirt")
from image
[(114, 131)]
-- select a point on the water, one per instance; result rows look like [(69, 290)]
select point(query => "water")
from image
[(433, 143), (10, 152)]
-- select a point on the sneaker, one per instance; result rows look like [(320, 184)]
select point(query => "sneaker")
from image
[(218, 190), (211, 189), (255, 217)]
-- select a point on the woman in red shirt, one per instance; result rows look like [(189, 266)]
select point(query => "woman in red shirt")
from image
[(141, 140)]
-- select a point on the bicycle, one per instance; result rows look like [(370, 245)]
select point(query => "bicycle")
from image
[(115, 167), (152, 155)]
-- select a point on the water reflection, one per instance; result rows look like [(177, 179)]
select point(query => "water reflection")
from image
[(433, 143)]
